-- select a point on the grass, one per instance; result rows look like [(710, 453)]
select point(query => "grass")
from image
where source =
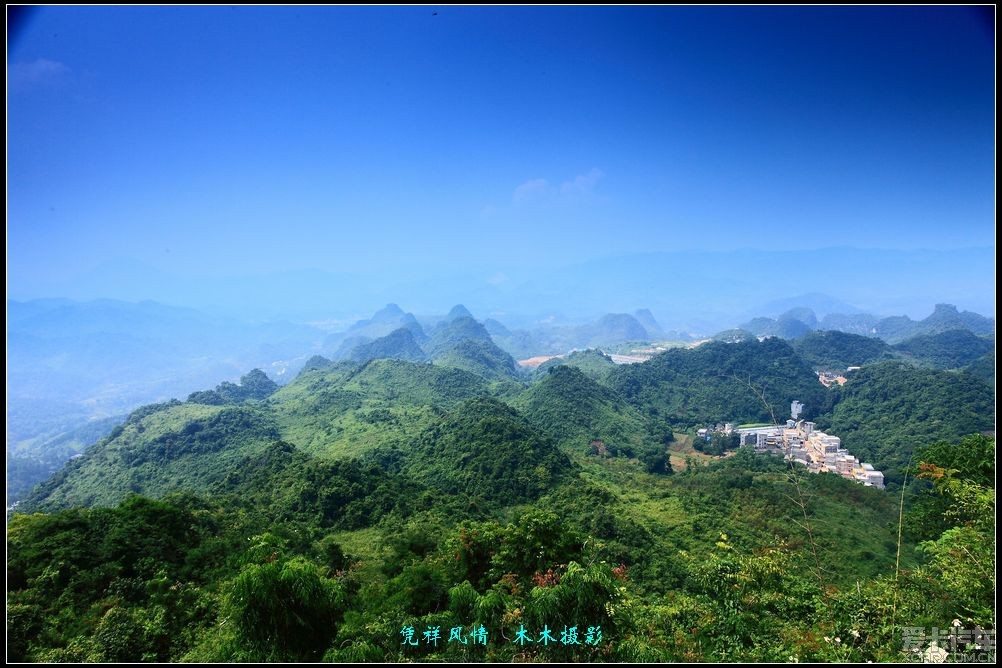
[(363, 544)]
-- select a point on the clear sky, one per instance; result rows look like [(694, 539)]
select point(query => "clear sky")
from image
[(219, 140)]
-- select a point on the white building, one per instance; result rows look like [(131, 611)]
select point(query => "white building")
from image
[(820, 452)]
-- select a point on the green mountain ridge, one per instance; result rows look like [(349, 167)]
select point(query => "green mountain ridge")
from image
[(837, 351), (159, 450), (398, 344), (950, 349), (485, 448), (383, 322), (592, 362), (465, 343), (886, 411), (576, 409), (750, 381)]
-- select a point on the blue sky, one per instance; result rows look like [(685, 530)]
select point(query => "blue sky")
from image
[(218, 141)]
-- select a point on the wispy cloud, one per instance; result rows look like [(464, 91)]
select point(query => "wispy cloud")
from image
[(582, 184), (34, 73), (580, 187), (531, 191)]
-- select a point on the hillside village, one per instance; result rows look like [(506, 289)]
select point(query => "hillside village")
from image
[(800, 441)]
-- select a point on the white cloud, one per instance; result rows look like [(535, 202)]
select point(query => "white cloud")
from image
[(580, 187), (530, 191), (582, 184), (40, 71)]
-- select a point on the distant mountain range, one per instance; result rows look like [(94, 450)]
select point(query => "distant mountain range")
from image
[(695, 291), (542, 339), (799, 321), (608, 330), (821, 304)]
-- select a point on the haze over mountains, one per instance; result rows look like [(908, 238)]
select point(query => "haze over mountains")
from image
[(688, 290), (797, 322)]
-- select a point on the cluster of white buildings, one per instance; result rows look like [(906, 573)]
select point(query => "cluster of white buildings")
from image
[(801, 442), (726, 428)]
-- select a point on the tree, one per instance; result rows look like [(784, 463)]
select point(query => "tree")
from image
[(285, 611)]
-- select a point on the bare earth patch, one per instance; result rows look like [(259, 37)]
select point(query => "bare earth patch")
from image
[(533, 362)]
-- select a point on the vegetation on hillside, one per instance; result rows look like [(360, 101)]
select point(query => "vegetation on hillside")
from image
[(464, 343), (397, 511), (589, 417), (983, 368), (713, 564), (592, 362), (750, 381), (836, 351), (887, 410), (951, 349), (399, 344)]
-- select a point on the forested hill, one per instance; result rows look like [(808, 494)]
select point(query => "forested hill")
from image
[(886, 411), (837, 351), (952, 349), (749, 381), (398, 344), (340, 411), (347, 409), (585, 415), (592, 362), (322, 519)]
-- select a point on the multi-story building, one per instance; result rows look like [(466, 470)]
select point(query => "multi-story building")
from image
[(802, 442)]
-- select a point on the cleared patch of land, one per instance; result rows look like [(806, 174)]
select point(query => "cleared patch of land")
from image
[(681, 449), (534, 362), (628, 359)]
